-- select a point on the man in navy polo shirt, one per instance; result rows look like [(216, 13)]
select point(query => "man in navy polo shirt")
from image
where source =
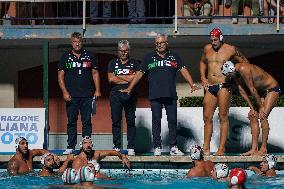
[(121, 72), (79, 81), (161, 67)]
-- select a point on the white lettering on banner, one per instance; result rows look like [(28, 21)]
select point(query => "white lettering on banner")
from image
[(18, 127), (19, 118), (21, 122)]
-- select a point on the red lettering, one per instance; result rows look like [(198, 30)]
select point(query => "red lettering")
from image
[(173, 64), (87, 64)]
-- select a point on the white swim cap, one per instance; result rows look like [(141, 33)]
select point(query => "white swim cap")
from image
[(44, 156), (196, 152), (85, 138), (69, 176), (271, 159), (227, 68), (85, 174), (222, 170), (18, 140)]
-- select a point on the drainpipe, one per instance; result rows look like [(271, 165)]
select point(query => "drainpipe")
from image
[(84, 17), (176, 13), (45, 91), (278, 20)]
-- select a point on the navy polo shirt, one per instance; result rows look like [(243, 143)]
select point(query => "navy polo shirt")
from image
[(117, 68), (161, 74), (78, 73)]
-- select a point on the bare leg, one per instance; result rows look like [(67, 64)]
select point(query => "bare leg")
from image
[(223, 102), (265, 11), (209, 106), (216, 7), (265, 133), (268, 104), (282, 14), (254, 125)]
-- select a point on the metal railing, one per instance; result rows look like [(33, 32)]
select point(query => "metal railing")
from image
[(75, 12)]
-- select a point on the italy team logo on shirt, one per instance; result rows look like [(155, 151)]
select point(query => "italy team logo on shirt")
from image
[(124, 71), (163, 63)]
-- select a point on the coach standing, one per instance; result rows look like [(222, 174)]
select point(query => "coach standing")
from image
[(121, 72), (79, 81), (161, 67)]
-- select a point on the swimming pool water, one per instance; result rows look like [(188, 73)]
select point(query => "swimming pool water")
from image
[(141, 179)]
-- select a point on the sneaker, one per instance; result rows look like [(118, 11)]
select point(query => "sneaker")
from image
[(6, 20), (157, 151), (234, 20), (117, 149), (175, 151), (68, 151), (255, 20), (131, 152), (264, 20)]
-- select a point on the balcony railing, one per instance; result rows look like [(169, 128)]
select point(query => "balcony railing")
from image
[(76, 12)]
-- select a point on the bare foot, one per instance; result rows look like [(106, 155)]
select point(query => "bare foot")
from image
[(207, 152), (261, 152), (219, 153), (252, 152)]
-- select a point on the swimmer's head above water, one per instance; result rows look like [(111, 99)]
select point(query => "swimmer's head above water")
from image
[(196, 152), (221, 170), (47, 160), (237, 177), (269, 161), (21, 145), (86, 144)]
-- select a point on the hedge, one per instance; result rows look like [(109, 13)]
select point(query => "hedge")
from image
[(236, 101)]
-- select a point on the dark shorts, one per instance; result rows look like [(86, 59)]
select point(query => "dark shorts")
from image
[(264, 93), (214, 89)]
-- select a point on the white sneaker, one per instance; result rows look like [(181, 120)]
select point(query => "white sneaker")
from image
[(234, 20), (264, 20), (117, 149), (175, 151), (255, 20), (68, 151), (131, 152), (157, 151)]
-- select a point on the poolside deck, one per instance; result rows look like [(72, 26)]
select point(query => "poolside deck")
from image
[(170, 159), (166, 161)]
